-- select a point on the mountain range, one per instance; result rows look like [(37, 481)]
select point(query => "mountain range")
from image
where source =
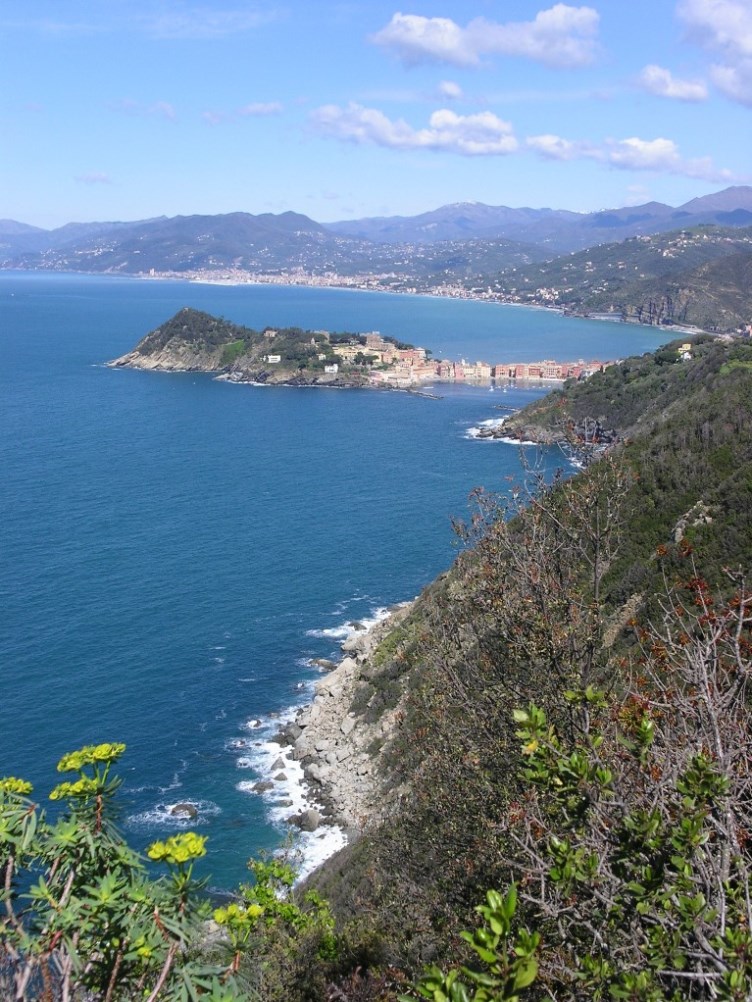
[(559, 230), (291, 239), (641, 262)]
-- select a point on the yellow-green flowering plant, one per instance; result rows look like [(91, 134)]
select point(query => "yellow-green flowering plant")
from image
[(95, 924)]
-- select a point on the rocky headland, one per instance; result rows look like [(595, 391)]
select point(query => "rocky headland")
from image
[(193, 341), (337, 736)]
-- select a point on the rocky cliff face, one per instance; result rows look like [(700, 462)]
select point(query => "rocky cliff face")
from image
[(338, 737), (175, 356)]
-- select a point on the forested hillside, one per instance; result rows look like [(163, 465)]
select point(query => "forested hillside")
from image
[(697, 276), (578, 593)]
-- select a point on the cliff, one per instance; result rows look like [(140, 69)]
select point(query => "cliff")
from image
[(338, 737)]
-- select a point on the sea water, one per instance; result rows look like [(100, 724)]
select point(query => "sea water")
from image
[(175, 551)]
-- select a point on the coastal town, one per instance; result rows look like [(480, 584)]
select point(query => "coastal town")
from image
[(392, 366)]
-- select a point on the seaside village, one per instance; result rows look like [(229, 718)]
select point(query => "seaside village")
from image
[(404, 367)]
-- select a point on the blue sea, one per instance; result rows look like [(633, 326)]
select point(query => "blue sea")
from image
[(175, 550)]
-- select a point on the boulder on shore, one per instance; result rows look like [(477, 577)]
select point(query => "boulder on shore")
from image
[(307, 821)]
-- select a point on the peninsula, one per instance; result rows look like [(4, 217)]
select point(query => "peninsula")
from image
[(193, 341)]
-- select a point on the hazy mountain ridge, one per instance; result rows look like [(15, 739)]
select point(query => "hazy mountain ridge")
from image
[(617, 261), (256, 239), (559, 230), (239, 241)]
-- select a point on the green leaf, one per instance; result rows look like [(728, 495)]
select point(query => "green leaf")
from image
[(526, 973)]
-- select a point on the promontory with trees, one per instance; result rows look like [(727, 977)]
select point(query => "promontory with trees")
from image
[(560, 744), (194, 341)]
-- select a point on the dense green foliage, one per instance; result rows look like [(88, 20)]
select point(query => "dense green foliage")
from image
[(630, 843), (81, 917), (196, 328), (200, 341)]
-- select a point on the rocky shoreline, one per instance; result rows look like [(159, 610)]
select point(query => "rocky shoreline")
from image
[(331, 741)]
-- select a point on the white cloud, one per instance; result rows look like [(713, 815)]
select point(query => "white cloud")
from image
[(724, 27), (214, 117), (660, 155), (48, 26), (734, 81), (560, 36), (94, 177), (177, 21), (450, 90), (162, 109), (481, 134), (260, 109), (661, 82), (418, 39), (642, 154)]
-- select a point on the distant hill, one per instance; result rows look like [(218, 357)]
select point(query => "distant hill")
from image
[(269, 244), (462, 221), (10, 228), (728, 200), (691, 276), (182, 243)]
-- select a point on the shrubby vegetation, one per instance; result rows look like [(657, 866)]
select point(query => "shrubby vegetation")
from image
[(699, 275), (82, 919), (630, 840), (575, 589)]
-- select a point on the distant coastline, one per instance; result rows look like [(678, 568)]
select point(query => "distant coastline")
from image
[(364, 283)]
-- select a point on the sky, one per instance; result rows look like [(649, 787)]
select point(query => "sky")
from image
[(131, 109)]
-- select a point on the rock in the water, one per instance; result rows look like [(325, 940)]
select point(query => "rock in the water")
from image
[(263, 786), (279, 764), (280, 778), (324, 663), (184, 811), (307, 821)]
